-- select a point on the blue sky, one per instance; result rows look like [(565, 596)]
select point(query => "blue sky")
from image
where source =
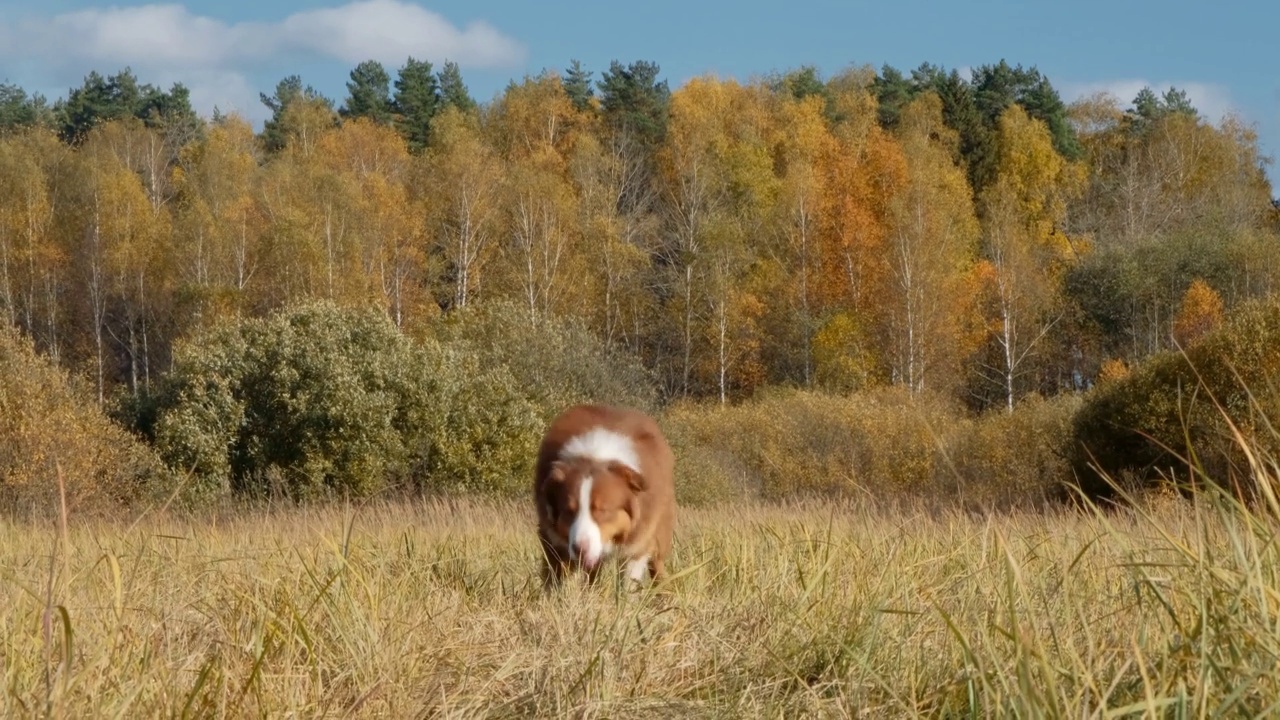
[(228, 52)]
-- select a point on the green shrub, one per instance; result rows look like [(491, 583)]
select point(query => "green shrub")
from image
[(477, 430), (47, 423), (558, 361), (1141, 425), (320, 400)]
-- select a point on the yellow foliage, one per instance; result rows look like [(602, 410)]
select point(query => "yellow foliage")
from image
[(304, 121), (1034, 184), (1200, 312), (458, 181), (535, 117), (47, 426), (1113, 369), (884, 444), (930, 253), (863, 182), (843, 354), (218, 223), (615, 237), (368, 165), (26, 219), (718, 146)]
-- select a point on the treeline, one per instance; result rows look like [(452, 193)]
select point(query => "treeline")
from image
[(974, 238)]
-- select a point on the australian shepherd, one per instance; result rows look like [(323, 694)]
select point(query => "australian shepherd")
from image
[(604, 487)]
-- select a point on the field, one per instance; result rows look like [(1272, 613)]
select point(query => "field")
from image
[(432, 609)]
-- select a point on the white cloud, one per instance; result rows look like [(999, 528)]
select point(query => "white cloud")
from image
[(1213, 101), (390, 31), (147, 35), (230, 92), (167, 43)]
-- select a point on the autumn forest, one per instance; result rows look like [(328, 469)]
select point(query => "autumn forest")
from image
[(974, 396), (972, 238)]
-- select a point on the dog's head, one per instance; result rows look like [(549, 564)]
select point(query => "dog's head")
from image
[(591, 505)]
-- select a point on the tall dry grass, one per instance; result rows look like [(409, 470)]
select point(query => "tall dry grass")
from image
[(814, 610)]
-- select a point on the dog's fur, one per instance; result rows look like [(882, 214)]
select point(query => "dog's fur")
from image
[(604, 486)]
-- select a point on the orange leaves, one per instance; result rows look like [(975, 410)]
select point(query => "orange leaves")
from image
[(1200, 312), (731, 233), (863, 174), (1113, 369)]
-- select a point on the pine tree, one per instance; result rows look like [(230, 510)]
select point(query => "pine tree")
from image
[(368, 93), (453, 91), (100, 100), (635, 101), (577, 84), (288, 92), (416, 102), (893, 91), (17, 109), (802, 83)]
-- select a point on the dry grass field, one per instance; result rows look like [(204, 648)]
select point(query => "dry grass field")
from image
[(433, 609)]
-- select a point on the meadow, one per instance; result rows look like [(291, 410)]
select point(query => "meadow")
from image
[(432, 608), (891, 325)]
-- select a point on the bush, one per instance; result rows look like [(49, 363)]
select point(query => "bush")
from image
[(479, 432), (318, 400), (558, 361), (47, 423), (884, 445), (1015, 459), (709, 470), (1137, 425)]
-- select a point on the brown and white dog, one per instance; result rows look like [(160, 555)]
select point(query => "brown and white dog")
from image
[(604, 486)]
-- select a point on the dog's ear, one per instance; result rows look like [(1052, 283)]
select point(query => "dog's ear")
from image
[(634, 479), (558, 472)]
